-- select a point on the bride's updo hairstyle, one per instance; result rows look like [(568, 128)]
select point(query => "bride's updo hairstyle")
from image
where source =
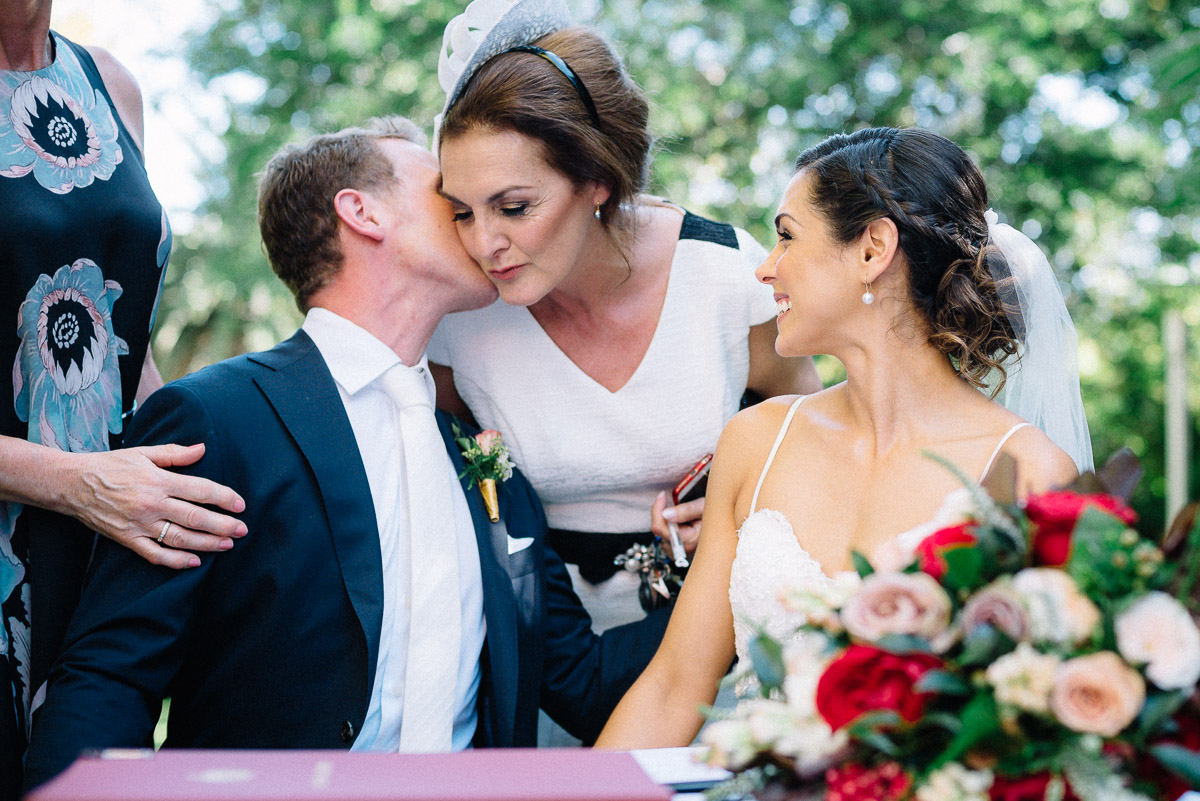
[(960, 283), (526, 93)]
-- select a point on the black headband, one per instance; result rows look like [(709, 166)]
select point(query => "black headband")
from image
[(569, 73)]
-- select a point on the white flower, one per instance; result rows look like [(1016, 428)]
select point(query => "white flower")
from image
[(730, 743), (1159, 632), (793, 733), (816, 604), (1058, 611), (953, 782), (1024, 678), (805, 658)]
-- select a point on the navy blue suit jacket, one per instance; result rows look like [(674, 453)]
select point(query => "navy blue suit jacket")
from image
[(274, 643)]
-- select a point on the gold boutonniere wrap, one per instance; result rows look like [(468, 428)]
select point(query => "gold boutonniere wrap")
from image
[(486, 457)]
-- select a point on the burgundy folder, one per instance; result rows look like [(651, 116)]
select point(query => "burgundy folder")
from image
[(558, 774)]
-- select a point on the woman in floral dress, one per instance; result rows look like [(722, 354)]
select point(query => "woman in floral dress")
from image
[(83, 248)]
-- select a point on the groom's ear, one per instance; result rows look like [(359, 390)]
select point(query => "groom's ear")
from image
[(877, 248), (357, 212)]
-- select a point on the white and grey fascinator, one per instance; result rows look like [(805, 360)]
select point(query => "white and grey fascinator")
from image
[(488, 28)]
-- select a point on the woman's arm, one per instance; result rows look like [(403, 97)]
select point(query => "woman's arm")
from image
[(661, 709), (123, 89), (772, 374), (127, 496)]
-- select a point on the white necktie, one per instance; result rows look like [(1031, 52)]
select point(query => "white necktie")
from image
[(435, 614)]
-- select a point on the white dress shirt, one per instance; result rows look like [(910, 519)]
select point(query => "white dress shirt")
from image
[(357, 360)]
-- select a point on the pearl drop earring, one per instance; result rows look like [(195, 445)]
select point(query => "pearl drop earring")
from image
[(597, 211), (867, 297)]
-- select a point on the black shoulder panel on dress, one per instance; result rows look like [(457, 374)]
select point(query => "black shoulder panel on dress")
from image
[(706, 230)]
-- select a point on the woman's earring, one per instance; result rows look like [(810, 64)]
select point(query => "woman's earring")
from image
[(867, 297), (597, 211)]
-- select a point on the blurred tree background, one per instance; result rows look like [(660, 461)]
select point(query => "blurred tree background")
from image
[(1083, 114)]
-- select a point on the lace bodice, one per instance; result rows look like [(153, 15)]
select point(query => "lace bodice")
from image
[(770, 563)]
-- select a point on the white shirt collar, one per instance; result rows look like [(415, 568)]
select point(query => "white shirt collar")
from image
[(355, 356)]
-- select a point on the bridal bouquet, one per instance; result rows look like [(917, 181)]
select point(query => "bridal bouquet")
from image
[(1042, 651)]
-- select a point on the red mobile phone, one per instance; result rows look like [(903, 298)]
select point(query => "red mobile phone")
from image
[(694, 484)]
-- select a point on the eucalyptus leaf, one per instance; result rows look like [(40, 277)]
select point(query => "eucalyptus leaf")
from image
[(942, 683), (766, 655), (862, 565), (1183, 763), (1159, 708), (980, 720), (903, 644)]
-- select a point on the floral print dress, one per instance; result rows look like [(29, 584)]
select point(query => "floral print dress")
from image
[(83, 247)]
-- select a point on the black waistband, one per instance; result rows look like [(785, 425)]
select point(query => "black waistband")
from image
[(594, 553)]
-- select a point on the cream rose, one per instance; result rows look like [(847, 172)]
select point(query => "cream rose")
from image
[(1058, 611), (730, 744), (953, 782), (897, 603), (1097, 694), (1159, 632), (1024, 678)]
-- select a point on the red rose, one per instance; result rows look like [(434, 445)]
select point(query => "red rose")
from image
[(867, 679), (1025, 788), (1053, 515), (853, 782), (931, 551)]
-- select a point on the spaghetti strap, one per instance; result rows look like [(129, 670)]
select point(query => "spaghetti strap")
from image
[(787, 421), (1000, 445)]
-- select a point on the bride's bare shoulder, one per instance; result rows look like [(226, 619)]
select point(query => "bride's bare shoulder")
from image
[(1041, 465)]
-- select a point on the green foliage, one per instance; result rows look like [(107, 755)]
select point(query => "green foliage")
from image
[(738, 88), (766, 655)]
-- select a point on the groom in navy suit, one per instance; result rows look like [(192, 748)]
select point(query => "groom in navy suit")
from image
[(299, 637)]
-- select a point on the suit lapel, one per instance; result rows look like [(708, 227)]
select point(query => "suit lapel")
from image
[(499, 603), (303, 394)]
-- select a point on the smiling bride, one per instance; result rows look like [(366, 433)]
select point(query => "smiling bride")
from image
[(885, 259)]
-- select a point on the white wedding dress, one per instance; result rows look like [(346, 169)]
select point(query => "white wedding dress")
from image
[(770, 562)]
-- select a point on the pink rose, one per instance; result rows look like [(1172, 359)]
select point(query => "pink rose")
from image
[(487, 440), (1097, 694), (997, 605), (897, 603)]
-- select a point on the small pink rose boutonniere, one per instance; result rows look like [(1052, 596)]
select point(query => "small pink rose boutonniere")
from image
[(487, 463)]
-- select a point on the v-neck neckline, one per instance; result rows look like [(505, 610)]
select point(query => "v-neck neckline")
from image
[(641, 366)]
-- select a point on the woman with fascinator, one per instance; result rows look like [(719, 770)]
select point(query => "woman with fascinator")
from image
[(627, 330), (888, 259)]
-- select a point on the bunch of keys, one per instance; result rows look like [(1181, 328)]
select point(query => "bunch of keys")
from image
[(653, 567)]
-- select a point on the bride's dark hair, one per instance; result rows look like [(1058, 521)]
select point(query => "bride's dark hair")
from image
[(936, 196)]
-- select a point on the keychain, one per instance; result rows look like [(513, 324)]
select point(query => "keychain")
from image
[(653, 566)]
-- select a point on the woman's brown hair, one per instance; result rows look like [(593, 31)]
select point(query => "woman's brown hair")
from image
[(523, 92), (937, 197)]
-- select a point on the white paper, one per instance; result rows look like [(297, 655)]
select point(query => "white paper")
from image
[(679, 767)]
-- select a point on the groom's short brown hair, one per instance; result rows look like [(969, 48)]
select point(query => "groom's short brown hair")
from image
[(296, 217)]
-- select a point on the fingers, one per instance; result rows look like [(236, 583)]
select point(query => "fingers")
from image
[(191, 488), (209, 493), (172, 455), (156, 554), (658, 523), (197, 518), (686, 517), (685, 512), (185, 539)]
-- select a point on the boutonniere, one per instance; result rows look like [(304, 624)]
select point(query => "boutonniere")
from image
[(486, 457)]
